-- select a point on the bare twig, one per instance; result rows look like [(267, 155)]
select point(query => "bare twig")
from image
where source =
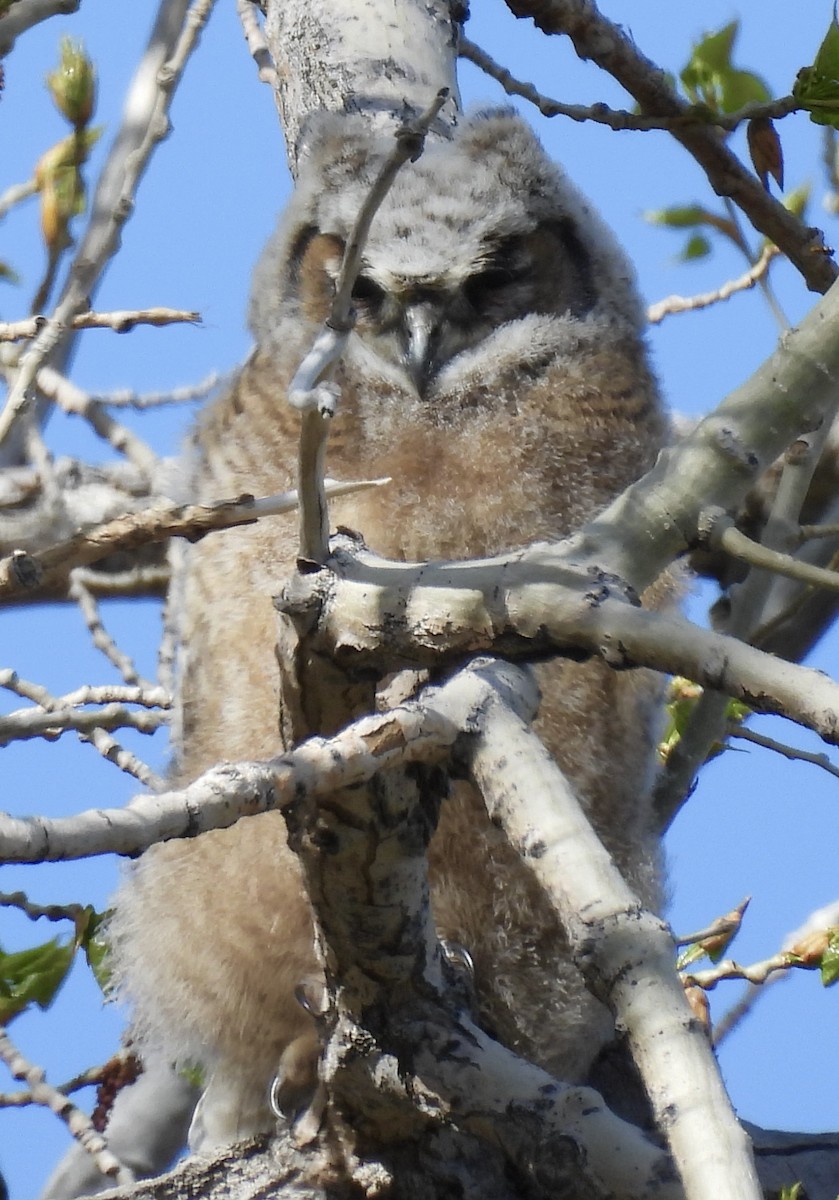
[(791, 752), (311, 390), (102, 640), (36, 912), (30, 723), (145, 123), (19, 191), (121, 321), (21, 573), (130, 763), (679, 304), (76, 1121), (93, 1075), (257, 45), (756, 973), (146, 697), (125, 398), (724, 534), (71, 399), (601, 114), (56, 715), (806, 532)]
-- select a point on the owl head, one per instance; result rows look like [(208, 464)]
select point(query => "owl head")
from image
[(482, 233)]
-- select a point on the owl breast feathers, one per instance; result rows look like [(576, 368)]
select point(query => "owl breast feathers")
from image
[(497, 373)]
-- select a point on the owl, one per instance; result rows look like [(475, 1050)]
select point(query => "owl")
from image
[(497, 373)]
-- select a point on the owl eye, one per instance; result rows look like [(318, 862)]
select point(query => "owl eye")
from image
[(368, 292), (484, 287)]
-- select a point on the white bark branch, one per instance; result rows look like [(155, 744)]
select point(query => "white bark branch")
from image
[(373, 612), (350, 55), (221, 796), (120, 321), (626, 954), (25, 13)]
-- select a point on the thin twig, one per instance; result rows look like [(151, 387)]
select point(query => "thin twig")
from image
[(17, 192), (806, 532), (26, 723), (125, 398), (257, 45), (679, 304), (756, 973), (71, 399), (22, 573), (102, 640), (120, 756), (726, 536), (120, 321), (146, 697), (24, 14), (56, 715), (76, 1121), (823, 918), (311, 389), (601, 114), (93, 1075), (791, 752), (145, 123)]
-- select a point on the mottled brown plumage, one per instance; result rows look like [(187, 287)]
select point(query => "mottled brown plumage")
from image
[(498, 374)]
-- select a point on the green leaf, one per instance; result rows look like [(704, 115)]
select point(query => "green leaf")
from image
[(711, 78), (829, 966), (33, 976), (96, 948), (817, 87), (710, 55), (797, 200), (739, 88), (689, 955), (826, 63), (8, 273), (697, 246), (682, 216)]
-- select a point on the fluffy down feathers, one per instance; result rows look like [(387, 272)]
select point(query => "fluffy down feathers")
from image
[(498, 374)]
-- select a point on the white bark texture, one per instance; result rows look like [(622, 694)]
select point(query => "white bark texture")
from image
[(352, 56)]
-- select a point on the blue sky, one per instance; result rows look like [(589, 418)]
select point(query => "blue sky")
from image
[(757, 825)]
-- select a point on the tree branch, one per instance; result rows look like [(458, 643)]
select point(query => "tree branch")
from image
[(145, 123), (24, 14), (596, 38)]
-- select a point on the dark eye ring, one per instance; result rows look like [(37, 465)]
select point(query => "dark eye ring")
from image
[(481, 286), (367, 291)]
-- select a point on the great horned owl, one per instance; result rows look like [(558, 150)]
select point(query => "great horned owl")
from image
[(497, 372)]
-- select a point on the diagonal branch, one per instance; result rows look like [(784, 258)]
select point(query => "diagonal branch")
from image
[(605, 43)]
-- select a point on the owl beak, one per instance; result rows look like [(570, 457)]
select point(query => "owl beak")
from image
[(420, 335)]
